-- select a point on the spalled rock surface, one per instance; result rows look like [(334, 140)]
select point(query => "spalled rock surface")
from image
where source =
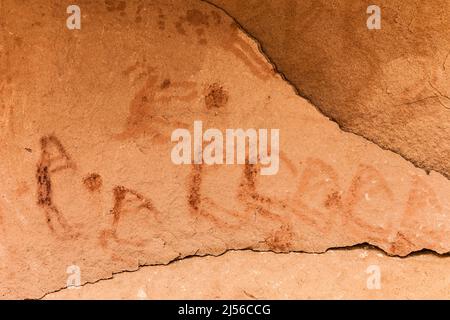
[(87, 178), (339, 274), (391, 86)]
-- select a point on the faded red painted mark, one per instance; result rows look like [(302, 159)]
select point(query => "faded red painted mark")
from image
[(155, 108), (216, 97), (127, 201), (93, 182), (54, 158)]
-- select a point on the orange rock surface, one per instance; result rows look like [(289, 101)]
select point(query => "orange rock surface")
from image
[(87, 176)]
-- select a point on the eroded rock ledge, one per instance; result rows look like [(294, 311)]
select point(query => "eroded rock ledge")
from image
[(336, 274), (389, 85)]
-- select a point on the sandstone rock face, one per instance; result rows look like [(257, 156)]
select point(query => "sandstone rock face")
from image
[(390, 85), (87, 176), (340, 274)]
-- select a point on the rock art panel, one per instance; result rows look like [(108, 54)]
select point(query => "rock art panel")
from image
[(88, 178)]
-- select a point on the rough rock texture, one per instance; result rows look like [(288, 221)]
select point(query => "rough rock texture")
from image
[(87, 179), (391, 86), (340, 274)]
